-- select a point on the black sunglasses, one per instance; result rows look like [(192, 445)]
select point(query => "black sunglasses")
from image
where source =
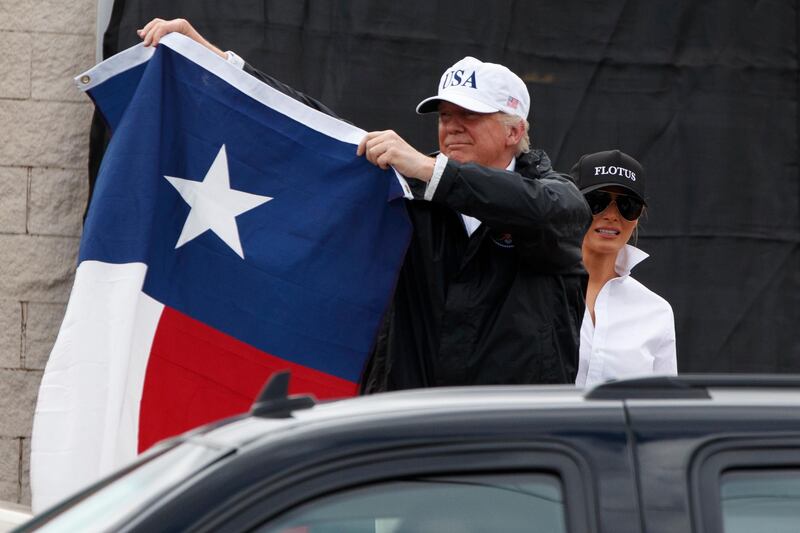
[(629, 207)]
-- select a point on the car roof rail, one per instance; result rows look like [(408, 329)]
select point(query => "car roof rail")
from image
[(274, 401), (647, 387), (688, 386)]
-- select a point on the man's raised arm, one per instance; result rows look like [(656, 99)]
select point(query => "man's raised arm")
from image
[(157, 28)]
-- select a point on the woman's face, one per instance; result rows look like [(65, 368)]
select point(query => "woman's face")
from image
[(609, 231)]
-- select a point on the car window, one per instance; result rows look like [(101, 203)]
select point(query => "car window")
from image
[(760, 500), (110, 502), (463, 504)]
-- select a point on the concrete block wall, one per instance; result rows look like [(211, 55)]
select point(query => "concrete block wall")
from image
[(44, 132)]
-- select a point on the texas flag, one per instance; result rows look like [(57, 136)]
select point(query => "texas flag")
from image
[(233, 233)]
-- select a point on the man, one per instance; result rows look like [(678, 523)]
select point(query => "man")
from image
[(492, 287)]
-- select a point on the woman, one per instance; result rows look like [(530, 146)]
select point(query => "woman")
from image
[(627, 329)]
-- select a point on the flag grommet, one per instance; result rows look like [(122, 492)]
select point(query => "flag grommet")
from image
[(85, 79)]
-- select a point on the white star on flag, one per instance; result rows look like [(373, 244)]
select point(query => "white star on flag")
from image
[(214, 205)]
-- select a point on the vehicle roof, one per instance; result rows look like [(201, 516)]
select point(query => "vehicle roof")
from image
[(754, 392)]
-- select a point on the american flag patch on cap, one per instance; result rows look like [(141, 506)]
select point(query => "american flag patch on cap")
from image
[(512, 102)]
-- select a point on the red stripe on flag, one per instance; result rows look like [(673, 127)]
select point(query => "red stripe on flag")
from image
[(196, 375)]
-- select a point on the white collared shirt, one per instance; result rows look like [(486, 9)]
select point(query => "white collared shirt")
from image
[(634, 329)]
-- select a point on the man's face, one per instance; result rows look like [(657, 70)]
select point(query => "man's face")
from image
[(470, 137)]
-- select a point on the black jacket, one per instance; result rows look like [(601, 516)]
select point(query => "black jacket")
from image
[(501, 306)]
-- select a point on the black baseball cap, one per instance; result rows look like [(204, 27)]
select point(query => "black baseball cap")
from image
[(612, 167)]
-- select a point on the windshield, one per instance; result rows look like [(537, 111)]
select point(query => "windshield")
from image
[(116, 499)]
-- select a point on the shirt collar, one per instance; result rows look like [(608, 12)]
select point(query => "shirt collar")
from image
[(513, 165), (627, 258)]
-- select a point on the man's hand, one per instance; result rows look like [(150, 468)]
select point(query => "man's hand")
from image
[(386, 148), (157, 28)]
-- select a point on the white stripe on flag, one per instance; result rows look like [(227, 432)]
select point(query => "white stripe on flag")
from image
[(86, 389)]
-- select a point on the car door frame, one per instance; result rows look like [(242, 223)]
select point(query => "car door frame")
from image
[(269, 502), (733, 452)]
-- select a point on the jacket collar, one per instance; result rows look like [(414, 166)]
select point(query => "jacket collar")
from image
[(536, 159), (627, 258)]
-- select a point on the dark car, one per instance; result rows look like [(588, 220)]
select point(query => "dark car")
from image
[(661, 454)]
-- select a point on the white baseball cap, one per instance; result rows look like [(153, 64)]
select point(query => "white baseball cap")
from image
[(480, 87)]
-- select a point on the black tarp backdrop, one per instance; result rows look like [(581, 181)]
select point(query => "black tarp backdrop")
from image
[(704, 94)]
